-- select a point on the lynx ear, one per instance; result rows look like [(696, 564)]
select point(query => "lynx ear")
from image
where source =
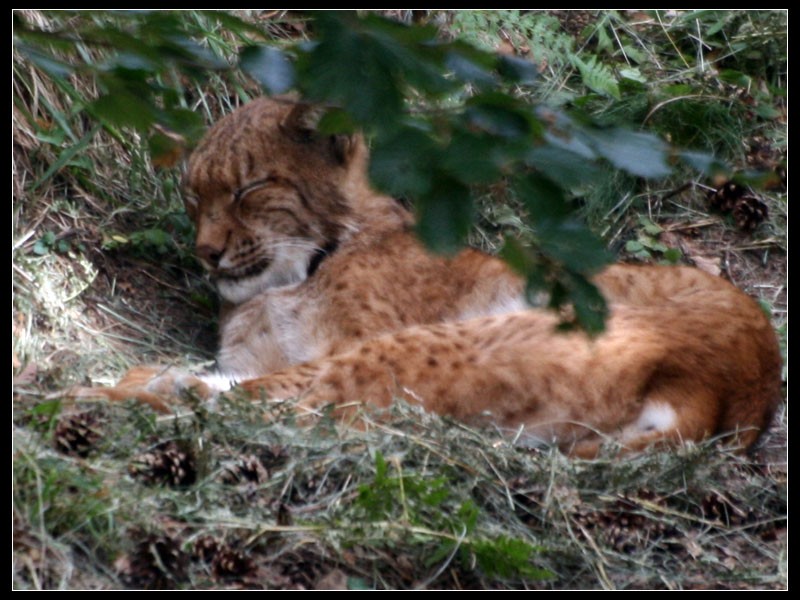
[(301, 125), (301, 122)]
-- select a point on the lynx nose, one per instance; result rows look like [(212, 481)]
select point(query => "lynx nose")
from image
[(208, 255)]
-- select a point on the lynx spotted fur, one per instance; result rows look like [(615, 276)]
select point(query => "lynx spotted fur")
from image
[(329, 297)]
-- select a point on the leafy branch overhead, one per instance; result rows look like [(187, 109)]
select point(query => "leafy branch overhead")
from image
[(444, 119)]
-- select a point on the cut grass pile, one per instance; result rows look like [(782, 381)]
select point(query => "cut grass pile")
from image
[(113, 496)]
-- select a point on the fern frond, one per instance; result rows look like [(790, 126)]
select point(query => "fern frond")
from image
[(597, 76)]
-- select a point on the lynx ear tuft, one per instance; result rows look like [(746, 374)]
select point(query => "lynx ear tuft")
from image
[(302, 121), (301, 125)]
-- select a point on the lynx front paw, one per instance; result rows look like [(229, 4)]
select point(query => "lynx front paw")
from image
[(158, 387)]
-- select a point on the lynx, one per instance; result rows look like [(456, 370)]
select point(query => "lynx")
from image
[(329, 298)]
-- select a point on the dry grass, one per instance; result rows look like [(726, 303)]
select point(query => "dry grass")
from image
[(224, 501), (115, 496)]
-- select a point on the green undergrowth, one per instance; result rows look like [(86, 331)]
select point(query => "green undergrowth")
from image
[(712, 81), (228, 500)]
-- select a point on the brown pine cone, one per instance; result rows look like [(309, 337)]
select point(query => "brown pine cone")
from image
[(749, 212), (77, 435), (171, 463)]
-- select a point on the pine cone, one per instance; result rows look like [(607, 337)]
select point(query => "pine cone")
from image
[(725, 197), (206, 548), (168, 463), (716, 507), (302, 569), (274, 457), (230, 562), (248, 469), (157, 562), (623, 526), (760, 154), (574, 21), (749, 213), (77, 435)]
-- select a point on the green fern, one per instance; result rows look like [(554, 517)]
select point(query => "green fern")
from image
[(539, 31), (547, 41), (547, 44), (597, 76)]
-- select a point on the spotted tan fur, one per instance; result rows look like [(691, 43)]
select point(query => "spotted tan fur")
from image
[(330, 298)]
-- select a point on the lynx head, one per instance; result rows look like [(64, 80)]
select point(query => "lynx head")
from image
[(269, 196)]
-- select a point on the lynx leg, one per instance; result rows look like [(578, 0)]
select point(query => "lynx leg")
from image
[(158, 387)]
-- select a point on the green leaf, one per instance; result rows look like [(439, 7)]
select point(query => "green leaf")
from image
[(45, 415), (336, 121), (517, 256), (499, 115), (673, 255), (633, 246), (368, 64), (66, 157), (703, 162), (517, 70), (640, 154), (132, 62), (653, 244), (677, 90), (192, 56), (497, 121), (187, 123), (45, 243), (352, 70), (563, 133), (139, 40), (590, 306), (82, 162), (445, 215), (269, 66), (157, 237), (122, 108), (54, 137), (41, 248), (568, 168), (635, 54), (468, 514), (358, 583), (736, 78), (542, 197), (633, 74), (468, 70), (469, 157), (572, 244), (650, 227), (435, 492), (506, 557), (381, 468), (46, 62), (403, 164), (47, 409), (604, 41), (765, 111)]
